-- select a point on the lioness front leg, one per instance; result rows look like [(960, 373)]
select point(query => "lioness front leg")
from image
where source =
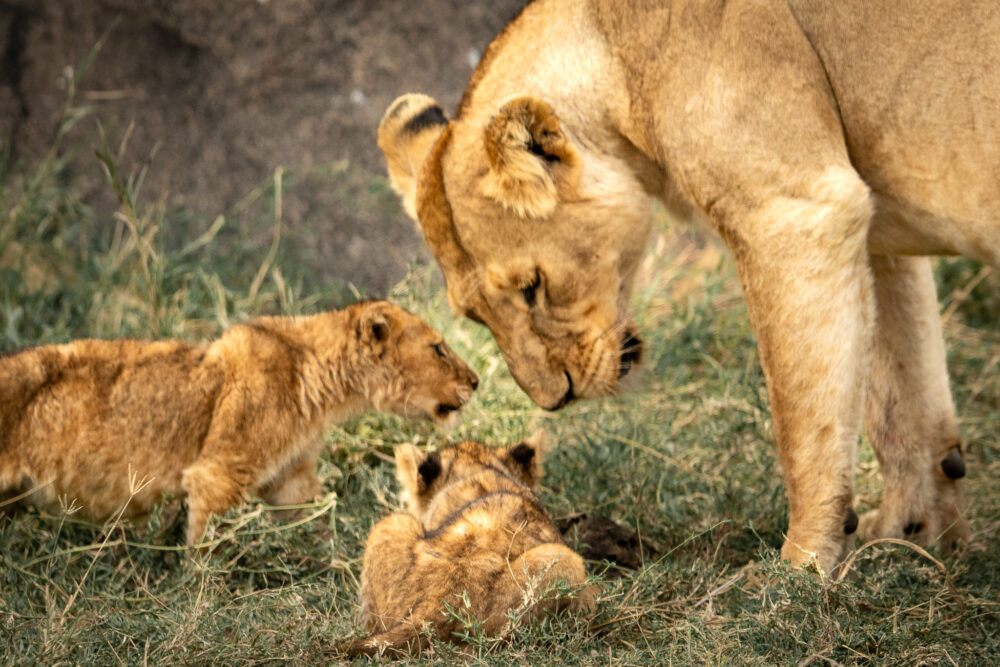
[(803, 264), (910, 416)]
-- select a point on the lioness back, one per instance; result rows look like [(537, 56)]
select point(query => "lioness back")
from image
[(475, 538), (106, 425)]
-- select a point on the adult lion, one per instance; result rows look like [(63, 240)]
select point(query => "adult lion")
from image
[(829, 143)]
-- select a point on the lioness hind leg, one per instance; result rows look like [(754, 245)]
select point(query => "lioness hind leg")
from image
[(910, 416)]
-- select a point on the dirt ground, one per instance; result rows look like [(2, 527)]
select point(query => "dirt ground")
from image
[(227, 91)]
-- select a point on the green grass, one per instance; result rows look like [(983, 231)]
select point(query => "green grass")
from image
[(686, 458)]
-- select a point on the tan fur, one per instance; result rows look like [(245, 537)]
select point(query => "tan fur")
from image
[(517, 179), (474, 528), (80, 422), (822, 140)]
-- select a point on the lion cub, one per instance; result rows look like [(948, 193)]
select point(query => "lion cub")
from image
[(216, 421), (474, 527)]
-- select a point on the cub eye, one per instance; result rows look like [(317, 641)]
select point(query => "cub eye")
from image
[(528, 292), (438, 349)]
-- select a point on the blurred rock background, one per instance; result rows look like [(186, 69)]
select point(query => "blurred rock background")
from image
[(218, 94)]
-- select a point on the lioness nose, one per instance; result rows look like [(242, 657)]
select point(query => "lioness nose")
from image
[(474, 381)]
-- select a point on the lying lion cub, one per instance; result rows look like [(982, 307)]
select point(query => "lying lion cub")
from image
[(474, 527), (84, 421)]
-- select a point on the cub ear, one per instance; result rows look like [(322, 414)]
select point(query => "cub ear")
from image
[(525, 458), (407, 458), (428, 471), (531, 160), (415, 473), (373, 331), (410, 127)]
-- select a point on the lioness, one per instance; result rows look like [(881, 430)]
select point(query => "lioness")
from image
[(829, 143), (474, 528), (244, 414)]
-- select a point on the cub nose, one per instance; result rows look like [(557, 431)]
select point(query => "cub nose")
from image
[(473, 381)]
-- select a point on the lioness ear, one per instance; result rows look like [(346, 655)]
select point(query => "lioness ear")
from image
[(525, 458), (373, 331), (531, 161), (406, 135)]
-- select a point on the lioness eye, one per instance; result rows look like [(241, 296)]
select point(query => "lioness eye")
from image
[(438, 349), (528, 292)]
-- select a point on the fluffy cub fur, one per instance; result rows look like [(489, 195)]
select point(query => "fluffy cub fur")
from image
[(83, 422), (475, 527)]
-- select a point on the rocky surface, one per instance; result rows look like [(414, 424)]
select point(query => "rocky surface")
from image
[(228, 91)]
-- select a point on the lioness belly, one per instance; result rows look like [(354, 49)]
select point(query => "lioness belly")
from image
[(906, 229), (916, 90)]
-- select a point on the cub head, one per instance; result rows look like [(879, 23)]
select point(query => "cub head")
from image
[(423, 476), (539, 238), (411, 370)]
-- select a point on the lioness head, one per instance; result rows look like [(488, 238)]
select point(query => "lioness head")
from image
[(535, 242), (423, 477), (415, 372)]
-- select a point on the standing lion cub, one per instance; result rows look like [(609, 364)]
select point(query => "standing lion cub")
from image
[(216, 421), (475, 538)]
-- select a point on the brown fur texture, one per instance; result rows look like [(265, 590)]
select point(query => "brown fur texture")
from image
[(84, 423), (827, 143), (475, 528)]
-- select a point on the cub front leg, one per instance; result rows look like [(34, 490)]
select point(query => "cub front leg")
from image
[(213, 486), (910, 415), (537, 568), (803, 264), (244, 438)]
